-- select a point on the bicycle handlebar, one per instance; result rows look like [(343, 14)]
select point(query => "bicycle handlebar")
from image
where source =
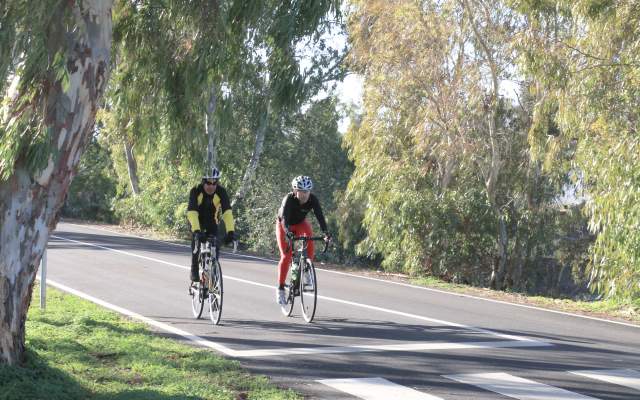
[(309, 238), (210, 238)]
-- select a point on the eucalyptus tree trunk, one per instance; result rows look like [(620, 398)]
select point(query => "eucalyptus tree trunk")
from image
[(212, 135), (496, 162), (447, 174), (498, 271), (250, 172), (132, 167), (30, 201), (503, 240)]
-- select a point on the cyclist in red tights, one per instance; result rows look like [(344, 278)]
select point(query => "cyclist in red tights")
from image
[(291, 222)]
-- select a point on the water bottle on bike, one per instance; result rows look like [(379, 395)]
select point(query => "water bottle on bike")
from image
[(295, 272)]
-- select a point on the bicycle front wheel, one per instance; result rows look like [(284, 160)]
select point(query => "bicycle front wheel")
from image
[(197, 301), (308, 291), (215, 292), (287, 308)]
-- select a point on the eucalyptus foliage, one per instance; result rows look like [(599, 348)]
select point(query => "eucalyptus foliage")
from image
[(32, 60), (94, 188), (171, 55), (444, 183), (584, 56)]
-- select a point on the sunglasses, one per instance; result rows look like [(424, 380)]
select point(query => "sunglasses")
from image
[(211, 182)]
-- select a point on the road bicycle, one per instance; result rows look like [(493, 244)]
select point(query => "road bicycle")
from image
[(210, 285), (303, 282)]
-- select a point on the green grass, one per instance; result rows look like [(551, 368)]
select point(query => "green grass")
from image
[(77, 350), (432, 282), (611, 308), (614, 309)]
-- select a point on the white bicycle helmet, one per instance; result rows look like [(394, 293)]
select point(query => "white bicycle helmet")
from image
[(302, 183), (213, 174)]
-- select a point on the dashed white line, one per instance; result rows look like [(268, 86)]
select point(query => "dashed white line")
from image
[(290, 351)]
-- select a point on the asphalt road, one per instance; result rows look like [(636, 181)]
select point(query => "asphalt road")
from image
[(371, 339)]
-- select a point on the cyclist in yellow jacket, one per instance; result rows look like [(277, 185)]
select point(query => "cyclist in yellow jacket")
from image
[(208, 202)]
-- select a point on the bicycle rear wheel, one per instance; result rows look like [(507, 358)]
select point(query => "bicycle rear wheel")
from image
[(215, 292), (308, 291)]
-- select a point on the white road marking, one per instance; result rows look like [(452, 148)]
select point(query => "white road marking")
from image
[(425, 346), (389, 282), (332, 299), (165, 327), (285, 351), (166, 242), (517, 388), (376, 389), (622, 377)]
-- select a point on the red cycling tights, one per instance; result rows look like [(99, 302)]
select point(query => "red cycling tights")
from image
[(301, 229)]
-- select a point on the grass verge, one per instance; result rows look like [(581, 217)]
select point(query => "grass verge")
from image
[(606, 309), (78, 350)]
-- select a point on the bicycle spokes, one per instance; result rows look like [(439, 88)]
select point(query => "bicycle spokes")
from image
[(197, 300), (287, 308), (210, 286), (308, 292), (215, 292), (306, 285)]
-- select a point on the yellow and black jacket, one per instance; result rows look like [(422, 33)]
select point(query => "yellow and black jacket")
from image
[(204, 211)]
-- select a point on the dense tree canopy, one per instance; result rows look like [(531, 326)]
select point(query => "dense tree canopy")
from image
[(583, 57), (461, 178)]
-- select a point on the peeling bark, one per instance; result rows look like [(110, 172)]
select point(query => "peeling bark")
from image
[(29, 202)]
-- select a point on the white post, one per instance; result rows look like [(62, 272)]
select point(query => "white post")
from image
[(43, 280)]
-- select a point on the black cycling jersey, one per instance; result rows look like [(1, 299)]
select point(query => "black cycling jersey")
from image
[(204, 211), (292, 212)]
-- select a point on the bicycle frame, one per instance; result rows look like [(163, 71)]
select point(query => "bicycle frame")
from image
[(301, 255), (302, 250), (304, 284), (210, 285), (208, 246)]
